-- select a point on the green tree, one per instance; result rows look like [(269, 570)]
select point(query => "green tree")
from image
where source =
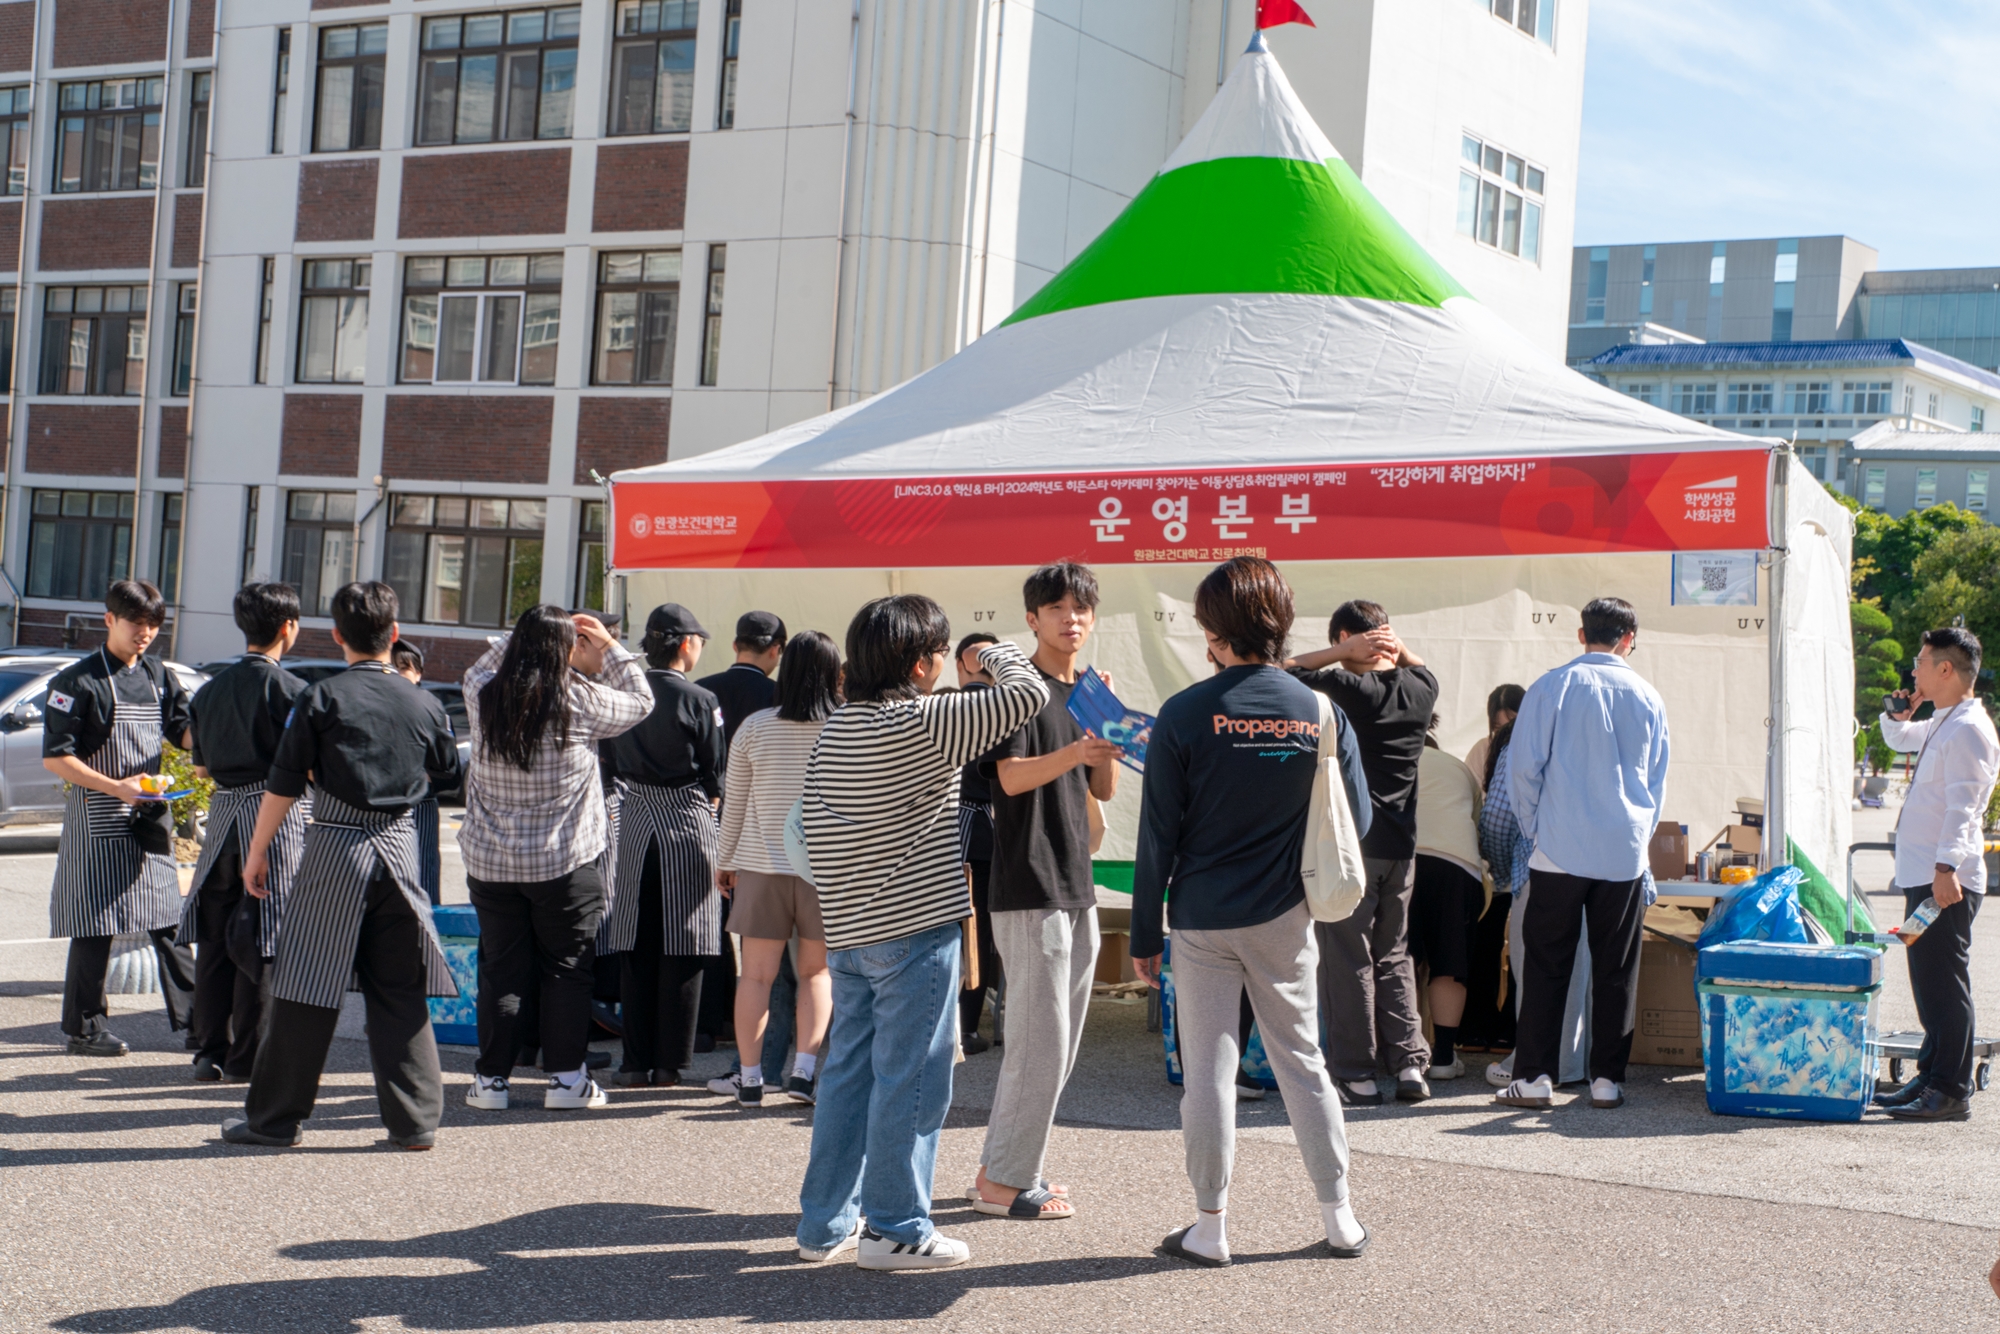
[(1958, 576)]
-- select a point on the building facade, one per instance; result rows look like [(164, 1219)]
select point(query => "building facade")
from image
[(1831, 397), (1898, 466), (323, 289)]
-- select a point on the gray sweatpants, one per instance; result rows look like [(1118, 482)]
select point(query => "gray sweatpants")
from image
[(1048, 956), (1278, 964), (1368, 982)]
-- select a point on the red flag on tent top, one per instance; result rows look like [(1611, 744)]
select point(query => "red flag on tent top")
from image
[(1270, 13)]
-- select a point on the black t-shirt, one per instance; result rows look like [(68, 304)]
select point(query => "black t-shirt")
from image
[(368, 738), (1041, 838), (239, 718), (1391, 712), (741, 690)]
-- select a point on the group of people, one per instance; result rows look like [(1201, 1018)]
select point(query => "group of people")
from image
[(845, 821)]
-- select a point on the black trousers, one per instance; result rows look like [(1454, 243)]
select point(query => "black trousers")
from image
[(228, 1001), (389, 961), (1941, 983), (536, 937), (971, 1004), (1558, 906), (84, 1002), (660, 993), (1489, 1014)]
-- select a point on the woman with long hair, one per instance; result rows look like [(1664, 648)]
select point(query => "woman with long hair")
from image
[(1229, 782), (666, 911), (769, 900), (539, 701)]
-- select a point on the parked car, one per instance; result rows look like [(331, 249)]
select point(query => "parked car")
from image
[(28, 792)]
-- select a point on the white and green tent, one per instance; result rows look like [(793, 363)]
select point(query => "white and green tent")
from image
[(1255, 330)]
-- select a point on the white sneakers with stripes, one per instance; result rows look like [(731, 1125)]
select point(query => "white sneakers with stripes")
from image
[(488, 1095), (579, 1092), (938, 1252)]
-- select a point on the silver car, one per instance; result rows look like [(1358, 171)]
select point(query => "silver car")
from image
[(28, 792)]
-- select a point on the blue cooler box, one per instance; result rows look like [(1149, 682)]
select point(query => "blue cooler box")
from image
[(455, 1019), (1254, 1063), (1785, 1029)]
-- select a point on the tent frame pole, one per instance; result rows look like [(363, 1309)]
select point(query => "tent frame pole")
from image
[(1776, 852)]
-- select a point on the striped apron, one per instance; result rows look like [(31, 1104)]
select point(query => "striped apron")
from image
[(682, 822), (232, 817), (106, 884), (430, 868), (328, 897), (607, 866)]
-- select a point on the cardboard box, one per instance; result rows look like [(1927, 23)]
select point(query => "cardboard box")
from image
[(1668, 852), (1667, 1030), (1114, 958)]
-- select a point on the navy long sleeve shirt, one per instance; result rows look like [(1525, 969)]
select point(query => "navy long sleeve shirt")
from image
[(1229, 774)]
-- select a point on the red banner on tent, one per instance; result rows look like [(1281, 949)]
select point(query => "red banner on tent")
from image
[(1710, 501)]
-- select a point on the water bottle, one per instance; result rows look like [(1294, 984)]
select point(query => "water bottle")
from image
[(1919, 921)]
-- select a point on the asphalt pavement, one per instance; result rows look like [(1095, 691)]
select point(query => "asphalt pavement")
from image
[(673, 1209)]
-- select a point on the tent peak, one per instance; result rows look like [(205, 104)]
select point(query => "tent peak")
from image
[(1254, 114)]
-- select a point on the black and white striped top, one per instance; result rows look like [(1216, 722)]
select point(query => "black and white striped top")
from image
[(766, 775), (881, 800)]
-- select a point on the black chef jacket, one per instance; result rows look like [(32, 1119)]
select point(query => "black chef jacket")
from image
[(679, 743), (741, 691), (76, 720), (239, 718), (368, 738)]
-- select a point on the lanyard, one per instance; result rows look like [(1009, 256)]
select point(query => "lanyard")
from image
[(1923, 750)]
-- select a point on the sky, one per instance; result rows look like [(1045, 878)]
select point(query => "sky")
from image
[(1719, 119)]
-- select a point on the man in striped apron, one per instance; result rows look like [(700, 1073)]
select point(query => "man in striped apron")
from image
[(372, 745), (107, 715), (239, 717)]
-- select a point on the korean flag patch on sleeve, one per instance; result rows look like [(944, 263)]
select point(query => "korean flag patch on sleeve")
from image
[(61, 703), (718, 717)]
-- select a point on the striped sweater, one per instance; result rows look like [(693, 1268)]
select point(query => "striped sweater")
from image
[(766, 775), (881, 799)]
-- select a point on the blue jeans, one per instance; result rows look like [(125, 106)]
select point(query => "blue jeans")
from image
[(884, 1087)]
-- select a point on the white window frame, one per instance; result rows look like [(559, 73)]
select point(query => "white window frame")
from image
[(1976, 483), (1927, 479), (1875, 487), (1492, 180)]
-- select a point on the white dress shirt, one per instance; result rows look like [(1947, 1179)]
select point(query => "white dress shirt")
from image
[(1944, 815)]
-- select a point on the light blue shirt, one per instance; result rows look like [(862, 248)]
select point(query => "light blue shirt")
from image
[(1589, 767)]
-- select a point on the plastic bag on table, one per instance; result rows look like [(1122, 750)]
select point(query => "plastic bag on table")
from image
[(1765, 909)]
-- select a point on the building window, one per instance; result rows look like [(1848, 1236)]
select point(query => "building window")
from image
[(465, 560), (194, 162), (1810, 396), (333, 322), (1535, 18), (652, 66), (78, 543), (15, 103), (638, 309), (590, 558), (1909, 400), (711, 326), (458, 331), (108, 135), (498, 76), (1814, 457), (8, 298), (184, 312), (1750, 398), (1875, 487), (1978, 418), (1646, 262), (1594, 284), (1645, 393), (1694, 400), (94, 340), (1926, 487), (250, 502), (1500, 201), (1931, 406), (265, 301), (1865, 396), (732, 30), (1975, 489), (1784, 288), (352, 64), (168, 558), (319, 546), (280, 84)]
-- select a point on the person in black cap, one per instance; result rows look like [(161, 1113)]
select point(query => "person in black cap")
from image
[(745, 686), (666, 912)]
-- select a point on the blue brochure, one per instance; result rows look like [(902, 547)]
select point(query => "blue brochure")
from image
[(1099, 713)]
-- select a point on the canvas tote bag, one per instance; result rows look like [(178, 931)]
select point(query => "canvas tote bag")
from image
[(1331, 866)]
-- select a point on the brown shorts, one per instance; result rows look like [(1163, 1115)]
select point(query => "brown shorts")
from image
[(770, 907)]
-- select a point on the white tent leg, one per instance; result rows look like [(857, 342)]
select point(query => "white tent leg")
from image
[(1775, 851)]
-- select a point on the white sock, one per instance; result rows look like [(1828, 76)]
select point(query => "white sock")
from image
[(1342, 1228), (571, 1079), (804, 1065), (1364, 1087), (1207, 1236), (753, 1074)]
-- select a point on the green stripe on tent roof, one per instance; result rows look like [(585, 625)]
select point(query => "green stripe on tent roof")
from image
[(1249, 224)]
